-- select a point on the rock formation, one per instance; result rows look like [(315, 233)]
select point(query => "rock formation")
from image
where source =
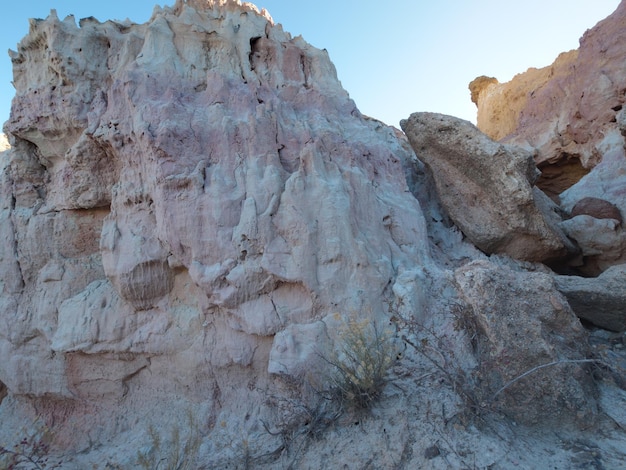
[(486, 188), (194, 211), (566, 110), (501, 105), (536, 326), (570, 114), (185, 199), (211, 203), (596, 208)]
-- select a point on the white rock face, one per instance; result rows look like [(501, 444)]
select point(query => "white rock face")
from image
[(4, 143), (197, 192)]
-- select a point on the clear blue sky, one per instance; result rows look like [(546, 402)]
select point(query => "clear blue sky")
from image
[(394, 58)]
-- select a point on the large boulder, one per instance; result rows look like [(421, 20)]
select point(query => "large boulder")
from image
[(570, 114), (527, 340), (487, 188)]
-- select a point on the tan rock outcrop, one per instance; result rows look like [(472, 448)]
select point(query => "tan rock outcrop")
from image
[(478, 85), (502, 105), (565, 110), (570, 114), (486, 188)]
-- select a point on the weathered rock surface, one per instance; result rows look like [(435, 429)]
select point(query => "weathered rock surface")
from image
[(607, 237), (4, 143), (596, 208), (602, 243), (186, 199), (522, 323), (486, 188), (503, 106), (570, 114), (477, 86), (565, 110), (601, 300), (187, 184), (192, 209)]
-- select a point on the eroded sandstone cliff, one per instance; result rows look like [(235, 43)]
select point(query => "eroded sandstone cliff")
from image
[(194, 209), (186, 199)]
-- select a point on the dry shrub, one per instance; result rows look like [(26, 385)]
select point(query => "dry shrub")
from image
[(32, 451), (360, 364)]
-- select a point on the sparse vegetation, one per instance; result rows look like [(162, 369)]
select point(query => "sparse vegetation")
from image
[(31, 452), (431, 346), (360, 364), (177, 453), (475, 389), (298, 423), (358, 371)]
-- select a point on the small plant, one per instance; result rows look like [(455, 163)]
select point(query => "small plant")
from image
[(356, 377), (440, 357), (361, 363), (31, 453), (174, 454)]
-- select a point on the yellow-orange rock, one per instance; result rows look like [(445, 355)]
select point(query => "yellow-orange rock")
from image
[(565, 110)]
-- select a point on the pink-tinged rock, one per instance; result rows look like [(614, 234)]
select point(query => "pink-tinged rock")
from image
[(597, 208), (191, 210), (501, 105), (189, 189), (602, 241), (571, 115), (566, 109)]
